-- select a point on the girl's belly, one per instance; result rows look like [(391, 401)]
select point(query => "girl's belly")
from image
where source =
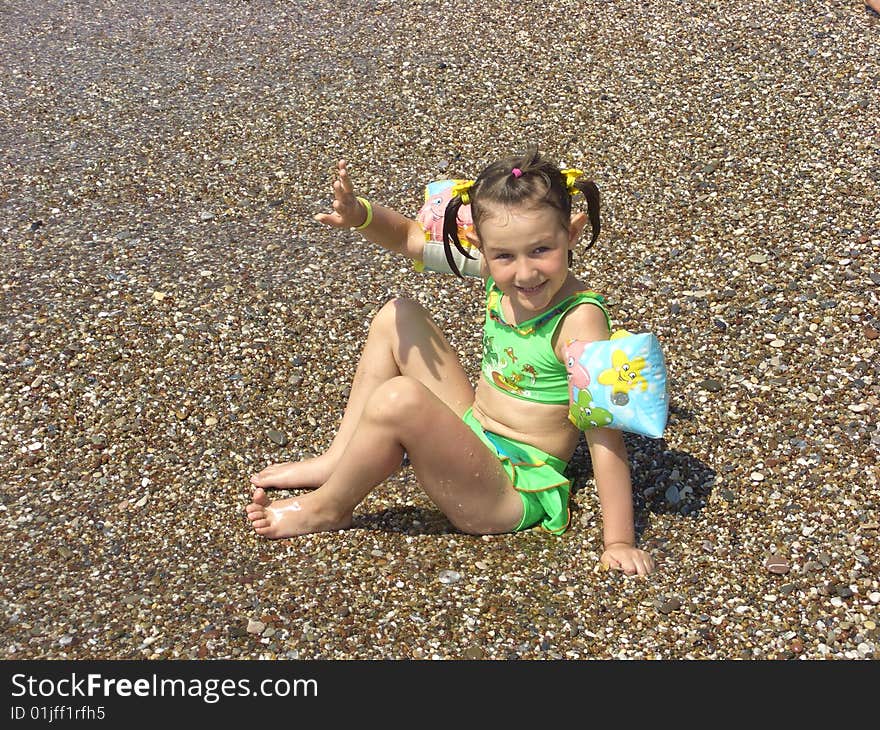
[(545, 426)]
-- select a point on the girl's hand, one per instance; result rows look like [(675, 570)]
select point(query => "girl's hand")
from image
[(629, 559), (347, 211)]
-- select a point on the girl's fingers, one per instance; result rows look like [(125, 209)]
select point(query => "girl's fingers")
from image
[(344, 179), (344, 203), (613, 562), (645, 564), (330, 219), (345, 182)]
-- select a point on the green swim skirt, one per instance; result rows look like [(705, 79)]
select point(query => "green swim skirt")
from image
[(536, 476)]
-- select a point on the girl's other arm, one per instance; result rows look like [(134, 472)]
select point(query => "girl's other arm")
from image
[(611, 470), (388, 228), (586, 323)]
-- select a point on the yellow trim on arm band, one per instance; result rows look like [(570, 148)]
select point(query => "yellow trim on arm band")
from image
[(366, 203)]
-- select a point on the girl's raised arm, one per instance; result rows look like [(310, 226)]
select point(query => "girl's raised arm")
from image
[(376, 223)]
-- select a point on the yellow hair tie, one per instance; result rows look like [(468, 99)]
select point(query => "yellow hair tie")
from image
[(460, 188), (571, 174)]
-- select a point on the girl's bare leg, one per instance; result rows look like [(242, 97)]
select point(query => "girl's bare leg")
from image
[(403, 340), (460, 475)]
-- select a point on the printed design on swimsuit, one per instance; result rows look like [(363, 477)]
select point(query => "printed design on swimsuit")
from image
[(500, 370), (623, 375)]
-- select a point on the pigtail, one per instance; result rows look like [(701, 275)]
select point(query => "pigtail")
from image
[(450, 233), (591, 192), (450, 224)]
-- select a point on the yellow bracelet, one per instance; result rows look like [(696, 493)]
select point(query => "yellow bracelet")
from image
[(366, 203)]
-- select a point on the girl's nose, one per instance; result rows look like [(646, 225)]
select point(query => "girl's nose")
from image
[(524, 272)]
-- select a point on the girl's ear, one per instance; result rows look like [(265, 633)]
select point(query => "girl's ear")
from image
[(578, 223), (473, 238)]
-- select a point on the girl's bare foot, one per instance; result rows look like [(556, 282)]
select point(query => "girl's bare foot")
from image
[(291, 517), (306, 474)]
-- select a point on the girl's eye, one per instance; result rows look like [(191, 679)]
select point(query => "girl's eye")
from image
[(540, 250)]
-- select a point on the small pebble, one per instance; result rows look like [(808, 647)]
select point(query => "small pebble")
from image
[(449, 576), (255, 627), (777, 564)]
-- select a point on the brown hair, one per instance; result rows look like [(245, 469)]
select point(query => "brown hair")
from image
[(540, 182)]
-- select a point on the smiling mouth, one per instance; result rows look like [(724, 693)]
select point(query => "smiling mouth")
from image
[(532, 289)]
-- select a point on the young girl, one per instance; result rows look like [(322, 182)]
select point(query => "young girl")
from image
[(491, 458)]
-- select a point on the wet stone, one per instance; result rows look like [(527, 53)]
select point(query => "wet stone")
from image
[(276, 437), (713, 386), (670, 605)]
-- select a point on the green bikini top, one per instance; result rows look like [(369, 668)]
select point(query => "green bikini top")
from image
[(519, 359)]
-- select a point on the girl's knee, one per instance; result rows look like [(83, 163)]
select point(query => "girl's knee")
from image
[(399, 400), (397, 311)]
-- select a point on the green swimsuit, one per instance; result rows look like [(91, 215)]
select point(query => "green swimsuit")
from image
[(519, 360)]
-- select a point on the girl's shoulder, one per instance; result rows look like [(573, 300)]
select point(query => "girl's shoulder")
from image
[(587, 321)]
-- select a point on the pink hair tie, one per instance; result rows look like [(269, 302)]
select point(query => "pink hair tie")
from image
[(516, 172)]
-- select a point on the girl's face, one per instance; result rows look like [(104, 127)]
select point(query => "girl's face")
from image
[(526, 251)]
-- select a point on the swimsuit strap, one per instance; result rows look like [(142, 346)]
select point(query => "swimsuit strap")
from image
[(526, 328)]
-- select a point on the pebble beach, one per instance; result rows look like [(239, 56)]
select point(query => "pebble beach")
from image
[(172, 320)]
